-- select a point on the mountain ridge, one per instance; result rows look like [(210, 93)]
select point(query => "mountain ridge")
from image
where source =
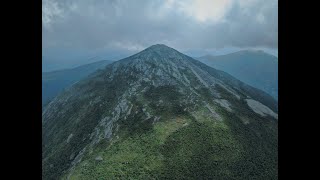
[(134, 118), (55, 81), (256, 68), (238, 52)]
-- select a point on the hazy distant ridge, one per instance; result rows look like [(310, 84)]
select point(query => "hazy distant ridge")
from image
[(253, 67)]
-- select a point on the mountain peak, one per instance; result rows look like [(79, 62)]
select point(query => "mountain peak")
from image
[(159, 51), (161, 95), (160, 48)]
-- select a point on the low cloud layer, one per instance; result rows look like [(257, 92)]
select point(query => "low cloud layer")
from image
[(127, 25)]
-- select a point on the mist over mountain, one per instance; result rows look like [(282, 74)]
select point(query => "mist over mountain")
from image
[(160, 114), (253, 67), (54, 82)]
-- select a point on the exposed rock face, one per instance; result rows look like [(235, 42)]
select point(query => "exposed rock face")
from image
[(261, 109), (69, 138), (98, 158), (224, 103), (214, 113), (137, 89)]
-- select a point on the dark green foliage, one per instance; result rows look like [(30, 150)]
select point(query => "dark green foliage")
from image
[(205, 92), (171, 100), (199, 151), (136, 123), (165, 93), (259, 139)]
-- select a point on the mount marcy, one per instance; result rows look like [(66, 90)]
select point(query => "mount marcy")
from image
[(160, 114)]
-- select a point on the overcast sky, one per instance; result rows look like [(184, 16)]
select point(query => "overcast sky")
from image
[(80, 31)]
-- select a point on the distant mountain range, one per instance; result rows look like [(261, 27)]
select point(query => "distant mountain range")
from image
[(54, 82), (255, 68), (160, 114)]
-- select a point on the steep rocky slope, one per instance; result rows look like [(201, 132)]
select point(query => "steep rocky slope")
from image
[(160, 114)]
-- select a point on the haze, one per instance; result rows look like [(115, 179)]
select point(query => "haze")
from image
[(78, 31)]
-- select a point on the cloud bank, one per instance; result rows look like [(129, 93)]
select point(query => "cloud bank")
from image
[(127, 25)]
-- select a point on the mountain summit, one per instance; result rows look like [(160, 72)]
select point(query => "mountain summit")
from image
[(157, 47), (160, 114), (158, 52), (160, 48)]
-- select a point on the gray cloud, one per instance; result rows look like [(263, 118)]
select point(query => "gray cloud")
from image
[(126, 25)]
